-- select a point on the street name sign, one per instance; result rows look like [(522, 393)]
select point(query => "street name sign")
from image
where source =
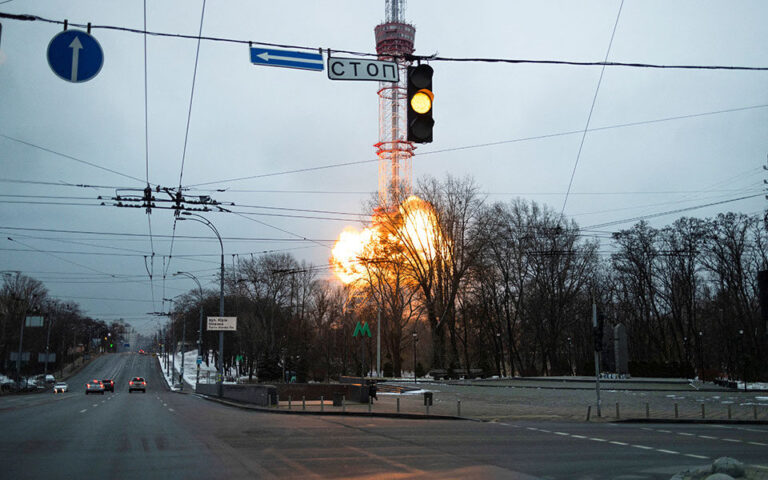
[(226, 324), (75, 56), (33, 322), (287, 59), (358, 69)]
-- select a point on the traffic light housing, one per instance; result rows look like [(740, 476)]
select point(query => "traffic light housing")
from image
[(420, 99)]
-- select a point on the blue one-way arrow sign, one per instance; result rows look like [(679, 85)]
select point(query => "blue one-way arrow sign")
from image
[(287, 58), (75, 56)]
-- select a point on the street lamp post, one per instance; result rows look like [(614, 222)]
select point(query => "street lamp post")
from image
[(744, 359), (220, 366), (415, 341), (173, 342), (200, 327)]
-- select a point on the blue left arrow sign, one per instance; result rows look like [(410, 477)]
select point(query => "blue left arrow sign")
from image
[(75, 56), (287, 59)]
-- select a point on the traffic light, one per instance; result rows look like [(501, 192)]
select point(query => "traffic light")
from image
[(598, 336), (420, 98)]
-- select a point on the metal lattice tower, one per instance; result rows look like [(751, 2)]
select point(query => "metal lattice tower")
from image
[(394, 40)]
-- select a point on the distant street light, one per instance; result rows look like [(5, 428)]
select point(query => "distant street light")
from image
[(200, 328), (220, 366)]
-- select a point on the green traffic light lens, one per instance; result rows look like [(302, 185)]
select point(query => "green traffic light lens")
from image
[(421, 102)]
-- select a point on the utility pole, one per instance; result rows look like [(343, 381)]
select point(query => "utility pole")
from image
[(47, 343), (597, 354), (378, 342)]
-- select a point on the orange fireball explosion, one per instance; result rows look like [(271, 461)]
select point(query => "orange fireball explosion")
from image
[(415, 228)]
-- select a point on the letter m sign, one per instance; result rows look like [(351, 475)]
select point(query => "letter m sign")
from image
[(363, 329)]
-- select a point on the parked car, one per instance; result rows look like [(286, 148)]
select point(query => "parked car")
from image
[(137, 383), (60, 387), (94, 386), (109, 385)]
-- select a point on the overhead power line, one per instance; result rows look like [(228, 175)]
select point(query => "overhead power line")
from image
[(431, 58), (488, 144), (671, 212)]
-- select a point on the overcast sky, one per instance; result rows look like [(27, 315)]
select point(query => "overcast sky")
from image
[(249, 120)]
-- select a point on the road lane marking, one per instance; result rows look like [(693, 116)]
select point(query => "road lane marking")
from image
[(598, 439), (83, 410), (700, 457), (95, 404), (759, 444), (686, 434), (578, 436), (643, 447), (618, 443), (733, 440), (562, 433), (667, 451), (708, 437), (170, 410)]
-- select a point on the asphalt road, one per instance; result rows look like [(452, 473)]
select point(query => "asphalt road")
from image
[(167, 435)]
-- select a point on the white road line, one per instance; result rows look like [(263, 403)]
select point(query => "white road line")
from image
[(170, 410), (686, 434), (759, 444), (545, 431), (598, 439), (701, 457), (664, 431), (95, 404), (562, 433), (708, 437), (83, 410), (667, 451), (618, 443), (643, 447), (578, 436), (733, 440)]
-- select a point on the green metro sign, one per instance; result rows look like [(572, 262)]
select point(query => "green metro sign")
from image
[(362, 329)]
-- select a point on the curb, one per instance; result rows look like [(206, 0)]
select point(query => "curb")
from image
[(692, 421), (412, 416)]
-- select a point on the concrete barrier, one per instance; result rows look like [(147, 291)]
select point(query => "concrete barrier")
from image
[(261, 395)]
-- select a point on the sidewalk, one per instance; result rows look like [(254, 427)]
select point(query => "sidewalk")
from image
[(529, 402)]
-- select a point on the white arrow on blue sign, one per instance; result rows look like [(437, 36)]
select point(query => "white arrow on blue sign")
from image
[(287, 59), (75, 56)]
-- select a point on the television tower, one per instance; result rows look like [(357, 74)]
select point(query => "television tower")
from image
[(394, 40)]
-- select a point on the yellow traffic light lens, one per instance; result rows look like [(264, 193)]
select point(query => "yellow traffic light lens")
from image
[(421, 102)]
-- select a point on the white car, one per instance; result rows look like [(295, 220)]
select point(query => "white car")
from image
[(60, 387)]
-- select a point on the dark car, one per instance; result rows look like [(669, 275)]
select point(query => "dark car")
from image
[(137, 383), (94, 386), (109, 385)]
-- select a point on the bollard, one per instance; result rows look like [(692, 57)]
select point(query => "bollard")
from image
[(458, 408), (398, 404), (289, 402), (703, 411), (676, 416), (427, 408), (343, 404), (729, 412), (618, 416), (370, 401), (303, 403), (322, 403), (589, 411), (647, 410)]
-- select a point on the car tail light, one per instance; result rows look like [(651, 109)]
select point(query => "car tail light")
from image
[(143, 383)]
